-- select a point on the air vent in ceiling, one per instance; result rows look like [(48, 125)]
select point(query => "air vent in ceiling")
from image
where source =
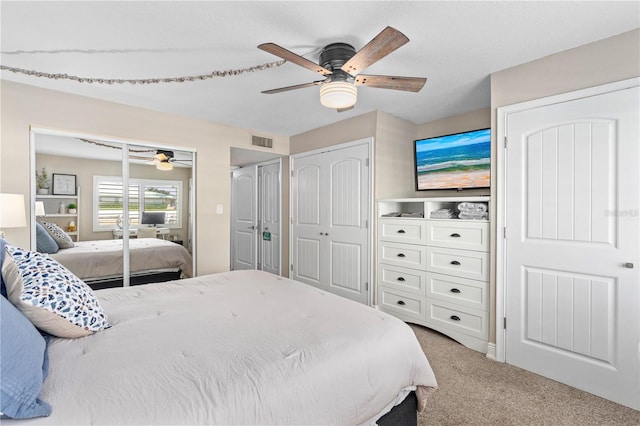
[(260, 141)]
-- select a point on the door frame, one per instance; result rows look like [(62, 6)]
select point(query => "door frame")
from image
[(502, 115), (277, 161), (369, 141)]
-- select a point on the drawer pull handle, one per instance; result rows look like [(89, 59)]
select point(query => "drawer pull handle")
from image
[(401, 231), (455, 317), (401, 279), (455, 235), (455, 262), (400, 302), (455, 290), (401, 255)]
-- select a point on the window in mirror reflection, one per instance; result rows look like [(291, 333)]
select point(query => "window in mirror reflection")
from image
[(145, 196)]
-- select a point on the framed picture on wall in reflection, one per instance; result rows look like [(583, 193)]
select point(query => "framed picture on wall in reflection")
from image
[(63, 184)]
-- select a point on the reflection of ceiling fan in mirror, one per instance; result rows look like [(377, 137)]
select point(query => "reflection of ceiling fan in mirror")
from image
[(164, 160), (341, 65)]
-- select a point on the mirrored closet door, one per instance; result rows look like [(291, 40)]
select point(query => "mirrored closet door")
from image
[(119, 214)]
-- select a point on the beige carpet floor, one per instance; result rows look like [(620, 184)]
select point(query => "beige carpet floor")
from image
[(473, 390)]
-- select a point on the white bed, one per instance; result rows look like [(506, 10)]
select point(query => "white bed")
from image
[(243, 347), (93, 261)]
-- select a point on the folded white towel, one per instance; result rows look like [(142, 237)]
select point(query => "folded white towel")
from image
[(472, 207), (481, 216), (442, 214), (415, 214)]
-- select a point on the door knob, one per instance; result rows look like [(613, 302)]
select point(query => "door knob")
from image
[(628, 265)]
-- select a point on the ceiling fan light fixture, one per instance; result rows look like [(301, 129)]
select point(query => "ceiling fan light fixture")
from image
[(338, 94), (164, 165)]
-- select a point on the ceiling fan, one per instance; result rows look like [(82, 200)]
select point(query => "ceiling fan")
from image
[(341, 65), (163, 160)]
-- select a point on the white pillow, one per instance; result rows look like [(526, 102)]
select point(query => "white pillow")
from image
[(55, 300), (62, 238)]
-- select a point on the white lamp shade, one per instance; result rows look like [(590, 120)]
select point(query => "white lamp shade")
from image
[(40, 208), (164, 165), (338, 94), (12, 213)]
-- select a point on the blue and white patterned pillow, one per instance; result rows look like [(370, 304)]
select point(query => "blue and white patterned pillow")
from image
[(51, 296), (62, 238)]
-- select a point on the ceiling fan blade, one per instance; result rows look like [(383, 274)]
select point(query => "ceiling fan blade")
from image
[(292, 57), (384, 43), (297, 86), (408, 84)]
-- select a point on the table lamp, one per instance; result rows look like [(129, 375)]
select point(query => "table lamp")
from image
[(12, 213), (40, 208)]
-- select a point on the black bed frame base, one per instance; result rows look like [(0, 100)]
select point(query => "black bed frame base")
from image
[(136, 280), (403, 414)]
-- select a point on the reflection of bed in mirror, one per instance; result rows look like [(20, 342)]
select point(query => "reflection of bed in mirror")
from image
[(99, 263)]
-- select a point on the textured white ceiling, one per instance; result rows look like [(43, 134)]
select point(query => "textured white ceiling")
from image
[(456, 45)]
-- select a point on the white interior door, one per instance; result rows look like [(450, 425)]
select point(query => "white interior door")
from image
[(243, 219), (269, 214), (572, 275), (330, 213)]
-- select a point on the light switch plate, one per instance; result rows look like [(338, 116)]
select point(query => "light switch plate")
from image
[(219, 209)]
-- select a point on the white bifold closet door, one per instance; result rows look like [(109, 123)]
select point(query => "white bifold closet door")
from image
[(573, 253), (330, 198)]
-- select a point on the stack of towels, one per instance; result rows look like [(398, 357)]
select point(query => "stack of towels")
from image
[(473, 211), (415, 214), (442, 214)]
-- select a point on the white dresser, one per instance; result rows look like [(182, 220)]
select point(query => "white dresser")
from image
[(435, 272)]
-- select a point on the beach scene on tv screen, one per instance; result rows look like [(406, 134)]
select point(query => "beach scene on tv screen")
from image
[(454, 161)]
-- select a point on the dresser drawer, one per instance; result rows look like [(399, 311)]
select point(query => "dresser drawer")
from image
[(458, 234), (461, 263), (412, 231), (404, 279), (467, 321), (398, 302), (459, 291), (407, 255)]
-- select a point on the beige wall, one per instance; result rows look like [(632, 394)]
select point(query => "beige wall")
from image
[(394, 157), (24, 106)]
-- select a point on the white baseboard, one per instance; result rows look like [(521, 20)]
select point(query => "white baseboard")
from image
[(491, 351)]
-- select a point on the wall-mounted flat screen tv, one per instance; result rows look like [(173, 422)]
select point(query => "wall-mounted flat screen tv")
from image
[(457, 161)]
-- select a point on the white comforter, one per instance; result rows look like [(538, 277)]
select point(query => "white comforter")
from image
[(103, 258), (243, 347)]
